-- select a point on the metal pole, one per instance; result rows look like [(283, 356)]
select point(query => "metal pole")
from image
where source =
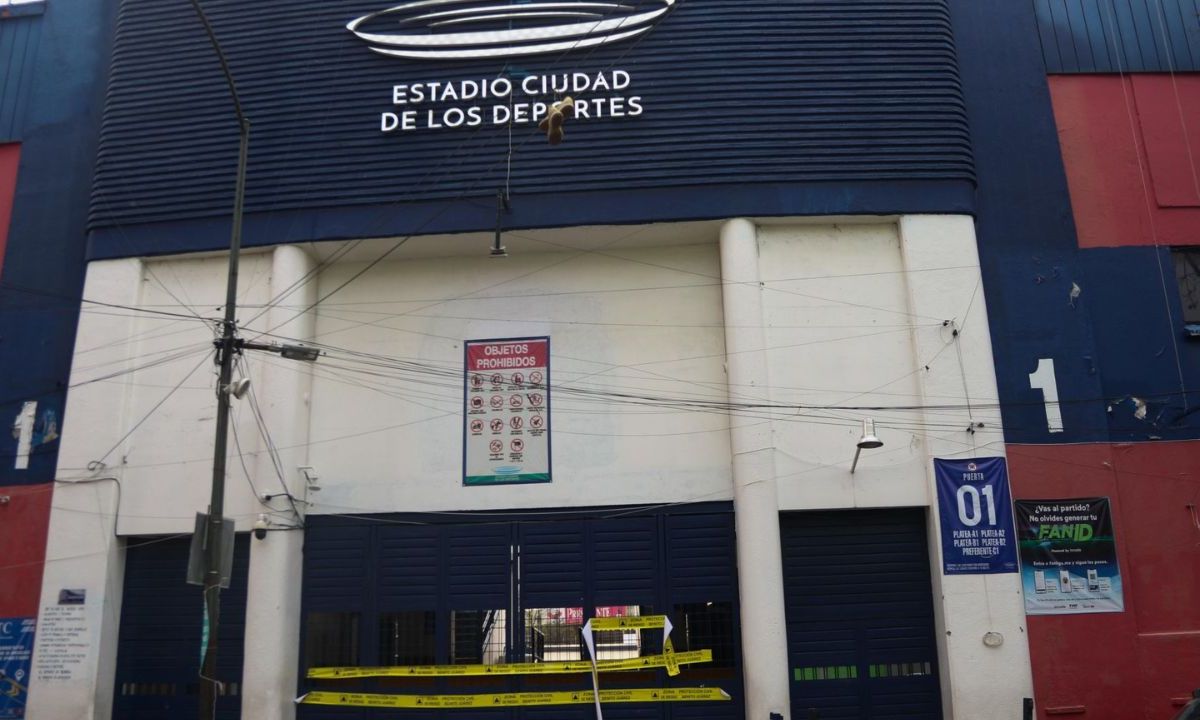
[(225, 350), (216, 505)]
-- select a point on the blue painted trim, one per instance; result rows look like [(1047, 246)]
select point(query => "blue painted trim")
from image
[(616, 207), (26, 9)]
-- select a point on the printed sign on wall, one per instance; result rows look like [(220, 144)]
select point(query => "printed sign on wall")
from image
[(1069, 557), (976, 515), (506, 418), (16, 651)]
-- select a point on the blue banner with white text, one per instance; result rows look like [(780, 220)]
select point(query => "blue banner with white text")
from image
[(16, 652), (975, 508)]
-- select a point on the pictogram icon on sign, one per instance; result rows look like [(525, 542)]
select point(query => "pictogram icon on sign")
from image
[(536, 377), (477, 381), (516, 422), (536, 399), (518, 379), (517, 445), (476, 426), (497, 379), (496, 446), (497, 425), (516, 401), (497, 402), (537, 422), (477, 403)]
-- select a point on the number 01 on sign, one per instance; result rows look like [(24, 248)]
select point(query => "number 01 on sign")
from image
[(506, 411)]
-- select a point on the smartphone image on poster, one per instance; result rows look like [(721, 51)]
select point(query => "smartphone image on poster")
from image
[(1093, 578), (1039, 580), (1064, 581)]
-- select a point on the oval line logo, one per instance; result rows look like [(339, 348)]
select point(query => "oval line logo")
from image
[(429, 33)]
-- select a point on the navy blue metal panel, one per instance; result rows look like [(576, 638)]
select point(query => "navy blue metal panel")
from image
[(1026, 234), (1133, 294), (861, 93), (61, 77), (158, 653), (18, 55), (552, 564), (1108, 36), (336, 567), (858, 595), (700, 557), (625, 564), (478, 566), (409, 566)]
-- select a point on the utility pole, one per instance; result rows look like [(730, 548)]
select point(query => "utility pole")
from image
[(225, 351)]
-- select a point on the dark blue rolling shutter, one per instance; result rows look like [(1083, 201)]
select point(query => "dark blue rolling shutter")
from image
[(625, 561), (552, 564), (158, 651), (860, 615)]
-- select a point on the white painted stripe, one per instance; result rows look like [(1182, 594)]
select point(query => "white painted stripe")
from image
[(24, 430)]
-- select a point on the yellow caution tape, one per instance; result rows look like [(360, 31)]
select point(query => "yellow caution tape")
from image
[(635, 622), (666, 660), (526, 699), (671, 658)]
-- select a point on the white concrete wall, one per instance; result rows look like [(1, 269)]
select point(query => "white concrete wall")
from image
[(818, 313), (637, 321)]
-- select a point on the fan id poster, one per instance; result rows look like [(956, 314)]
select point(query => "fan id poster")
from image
[(1069, 557)]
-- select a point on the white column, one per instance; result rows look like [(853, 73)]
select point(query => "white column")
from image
[(282, 388), (82, 551), (978, 682), (756, 505)]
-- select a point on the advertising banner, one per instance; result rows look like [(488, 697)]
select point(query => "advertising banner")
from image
[(1069, 557), (16, 651), (506, 414), (976, 514)]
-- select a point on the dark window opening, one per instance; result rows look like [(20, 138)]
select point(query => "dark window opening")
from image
[(407, 638), (478, 637), (705, 626), (1187, 274), (331, 639)]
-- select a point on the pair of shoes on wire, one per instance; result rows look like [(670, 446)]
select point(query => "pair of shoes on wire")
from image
[(552, 124)]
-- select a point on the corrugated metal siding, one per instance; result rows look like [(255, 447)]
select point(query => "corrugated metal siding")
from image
[(1103, 36), (18, 52), (735, 92)]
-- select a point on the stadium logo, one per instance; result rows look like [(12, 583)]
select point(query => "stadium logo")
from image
[(445, 30)]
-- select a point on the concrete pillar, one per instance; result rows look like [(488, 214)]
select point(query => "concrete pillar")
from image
[(272, 643), (978, 682), (82, 550), (756, 504)]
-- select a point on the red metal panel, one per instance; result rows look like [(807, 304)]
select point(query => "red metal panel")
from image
[(1164, 105), (10, 157), (1130, 665), (24, 519), (1119, 144)]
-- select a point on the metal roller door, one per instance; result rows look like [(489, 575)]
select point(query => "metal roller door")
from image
[(860, 615), (416, 590), (158, 653)]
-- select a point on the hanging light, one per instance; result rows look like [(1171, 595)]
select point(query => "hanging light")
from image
[(868, 441)]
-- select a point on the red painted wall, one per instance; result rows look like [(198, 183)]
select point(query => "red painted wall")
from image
[(10, 157), (24, 520), (1140, 663), (1131, 146)]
